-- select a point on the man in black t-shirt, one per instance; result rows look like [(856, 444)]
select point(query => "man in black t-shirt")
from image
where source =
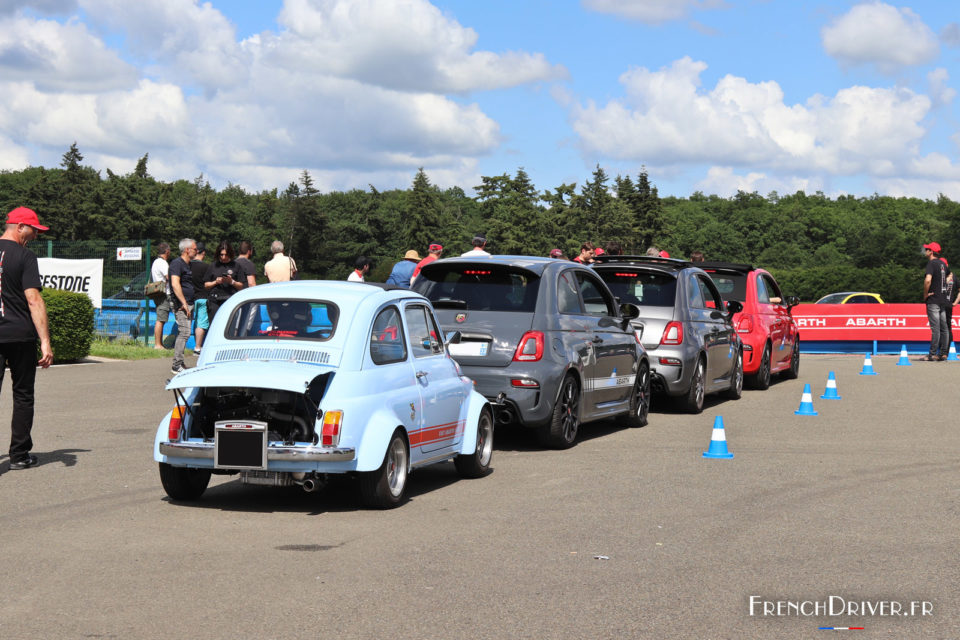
[(23, 320), (935, 294), (181, 283)]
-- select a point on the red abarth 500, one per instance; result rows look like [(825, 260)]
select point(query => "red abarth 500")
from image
[(771, 339)]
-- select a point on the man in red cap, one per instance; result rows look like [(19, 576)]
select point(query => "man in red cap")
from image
[(23, 320), (434, 252), (936, 296)]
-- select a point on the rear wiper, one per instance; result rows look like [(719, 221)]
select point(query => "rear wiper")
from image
[(449, 303)]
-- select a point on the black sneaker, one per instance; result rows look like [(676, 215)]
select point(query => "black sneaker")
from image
[(930, 358), (24, 463), (177, 369)]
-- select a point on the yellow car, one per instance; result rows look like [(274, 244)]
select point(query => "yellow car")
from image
[(851, 297)]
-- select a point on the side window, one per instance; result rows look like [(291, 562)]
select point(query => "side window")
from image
[(773, 291), (694, 297), (762, 296), (711, 297), (424, 340), (386, 338), (568, 300), (862, 300), (595, 301)]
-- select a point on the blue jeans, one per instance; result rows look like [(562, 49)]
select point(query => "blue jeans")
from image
[(939, 329)]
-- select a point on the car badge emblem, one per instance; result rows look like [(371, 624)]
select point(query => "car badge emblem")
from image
[(461, 317)]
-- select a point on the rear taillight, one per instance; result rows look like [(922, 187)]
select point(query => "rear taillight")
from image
[(530, 348), (745, 324), (176, 422), (672, 334), (330, 436)]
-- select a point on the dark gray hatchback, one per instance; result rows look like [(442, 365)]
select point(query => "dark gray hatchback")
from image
[(544, 340)]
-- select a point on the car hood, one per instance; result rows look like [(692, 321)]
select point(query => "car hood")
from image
[(288, 376)]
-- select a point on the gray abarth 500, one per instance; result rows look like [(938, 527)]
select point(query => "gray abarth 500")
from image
[(544, 340), (684, 324)]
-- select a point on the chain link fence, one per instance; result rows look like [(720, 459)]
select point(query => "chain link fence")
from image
[(125, 313)]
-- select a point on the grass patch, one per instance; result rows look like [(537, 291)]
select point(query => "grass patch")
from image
[(127, 350)]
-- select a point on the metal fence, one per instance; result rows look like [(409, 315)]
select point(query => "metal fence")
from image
[(125, 312)]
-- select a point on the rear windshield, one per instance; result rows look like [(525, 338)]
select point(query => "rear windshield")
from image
[(834, 298), (294, 319), (732, 286), (479, 288), (653, 289)]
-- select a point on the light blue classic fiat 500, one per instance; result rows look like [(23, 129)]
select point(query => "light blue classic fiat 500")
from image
[(299, 380)]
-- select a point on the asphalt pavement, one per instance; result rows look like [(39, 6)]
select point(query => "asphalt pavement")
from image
[(630, 534)]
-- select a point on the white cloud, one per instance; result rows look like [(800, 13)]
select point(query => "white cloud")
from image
[(666, 118), (650, 11), (408, 45), (57, 56), (938, 80), (881, 35), (724, 181), (950, 35), (42, 6)]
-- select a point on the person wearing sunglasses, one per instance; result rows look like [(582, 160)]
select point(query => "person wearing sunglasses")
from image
[(224, 278)]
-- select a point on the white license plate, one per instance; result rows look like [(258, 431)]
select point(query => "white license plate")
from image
[(471, 348)]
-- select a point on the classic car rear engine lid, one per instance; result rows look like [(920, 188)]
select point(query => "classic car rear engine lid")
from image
[(288, 376)]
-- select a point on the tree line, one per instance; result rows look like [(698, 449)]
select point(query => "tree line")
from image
[(813, 244)]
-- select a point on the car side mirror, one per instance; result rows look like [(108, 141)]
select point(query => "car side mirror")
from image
[(629, 311), (734, 306), (792, 301)]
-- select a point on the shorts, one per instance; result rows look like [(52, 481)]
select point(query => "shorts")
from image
[(164, 308), (200, 313)]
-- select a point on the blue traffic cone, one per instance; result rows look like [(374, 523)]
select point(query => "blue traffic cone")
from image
[(806, 403), (904, 361), (868, 367), (718, 442), (952, 355), (831, 391)]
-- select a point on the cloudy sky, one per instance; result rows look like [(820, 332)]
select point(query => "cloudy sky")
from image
[(708, 95)]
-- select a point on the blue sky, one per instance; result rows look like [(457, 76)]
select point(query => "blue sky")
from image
[(708, 95)]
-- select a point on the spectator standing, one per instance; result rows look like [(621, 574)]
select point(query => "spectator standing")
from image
[(557, 254), (586, 253), (23, 320), (433, 253), (948, 308), (361, 267), (696, 256), (479, 243), (653, 251), (280, 268), (160, 270), (614, 248), (224, 278), (181, 283), (402, 272), (199, 270), (245, 260), (935, 297)]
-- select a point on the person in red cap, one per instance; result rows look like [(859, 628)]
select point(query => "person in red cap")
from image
[(557, 254), (433, 253), (23, 320), (935, 295)]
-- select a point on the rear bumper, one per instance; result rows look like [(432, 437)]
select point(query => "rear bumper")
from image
[(524, 406), (671, 379), (204, 451)]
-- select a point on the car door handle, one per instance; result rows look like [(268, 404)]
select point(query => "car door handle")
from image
[(421, 374)]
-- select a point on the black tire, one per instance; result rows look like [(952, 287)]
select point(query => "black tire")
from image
[(640, 401), (477, 464), (692, 402), (736, 379), (794, 371), (183, 484), (761, 379), (561, 431), (386, 487)]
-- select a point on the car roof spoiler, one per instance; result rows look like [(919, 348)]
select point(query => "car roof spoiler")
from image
[(647, 260), (725, 266)]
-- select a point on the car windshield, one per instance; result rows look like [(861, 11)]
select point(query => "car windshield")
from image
[(833, 298), (648, 288), (479, 288), (732, 286), (295, 319)]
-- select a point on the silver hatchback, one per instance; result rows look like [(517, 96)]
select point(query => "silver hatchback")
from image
[(684, 325)]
